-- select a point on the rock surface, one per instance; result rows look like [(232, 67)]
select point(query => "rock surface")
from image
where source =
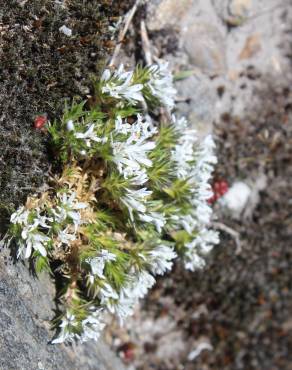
[(227, 44), (26, 308)]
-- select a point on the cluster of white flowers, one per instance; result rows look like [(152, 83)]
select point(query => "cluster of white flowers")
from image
[(89, 135), (36, 229), (91, 327), (119, 85), (161, 84), (123, 304), (130, 152), (161, 259), (97, 264), (31, 238), (195, 161)]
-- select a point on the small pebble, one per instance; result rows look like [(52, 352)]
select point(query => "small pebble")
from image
[(67, 31)]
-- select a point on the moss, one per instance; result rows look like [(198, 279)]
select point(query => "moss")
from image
[(40, 67)]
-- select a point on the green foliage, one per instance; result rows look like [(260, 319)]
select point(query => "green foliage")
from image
[(124, 205)]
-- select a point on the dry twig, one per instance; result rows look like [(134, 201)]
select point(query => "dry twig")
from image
[(123, 31), (234, 234), (146, 43)]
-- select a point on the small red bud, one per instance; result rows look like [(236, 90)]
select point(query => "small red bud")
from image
[(128, 351), (223, 187), (40, 121), (216, 186), (219, 188)]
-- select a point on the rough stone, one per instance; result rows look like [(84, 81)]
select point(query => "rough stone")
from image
[(163, 13), (200, 100), (26, 308), (233, 12), (240, 8), (205, 46)]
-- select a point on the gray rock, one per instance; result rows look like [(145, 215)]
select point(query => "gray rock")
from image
[(205, 46), (164, 13), (26, 307), (233, 12), (199, 108)]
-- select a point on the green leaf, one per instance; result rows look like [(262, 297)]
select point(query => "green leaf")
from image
[(182, 75), (42, 264)]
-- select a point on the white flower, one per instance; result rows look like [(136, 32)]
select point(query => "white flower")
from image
[(136, 288), (202, 244), (43, 220), (205, 159), (119, 85), (92, 326), (97, 264), (183, 154), (33, 241), (31, 237), (106, 293), (65, 238), (122, 127), (135, 200), (131, 156), (70, 125), (70, 203), (139, 131), (140, 287), (202, 212), (161, 84), (155, 218), (20, 216), (66, 335), (139, 178), (188, 222), (90, 135), (160, 259), (68, 208)]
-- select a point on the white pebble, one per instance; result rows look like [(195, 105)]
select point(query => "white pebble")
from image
[(237, 197), (67, 31)]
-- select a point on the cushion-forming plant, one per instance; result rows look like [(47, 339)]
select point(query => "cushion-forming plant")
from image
[(131, 198)]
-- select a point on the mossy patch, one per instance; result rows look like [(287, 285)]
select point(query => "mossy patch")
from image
[(41, 67)]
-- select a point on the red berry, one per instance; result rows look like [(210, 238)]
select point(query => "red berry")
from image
[(219, 187), (40, 121), (223, 187), (128, 351), (129, 354), (216, 186)]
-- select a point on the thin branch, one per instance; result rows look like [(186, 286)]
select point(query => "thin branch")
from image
[(146, 43), (123, 31), (233, 233)]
